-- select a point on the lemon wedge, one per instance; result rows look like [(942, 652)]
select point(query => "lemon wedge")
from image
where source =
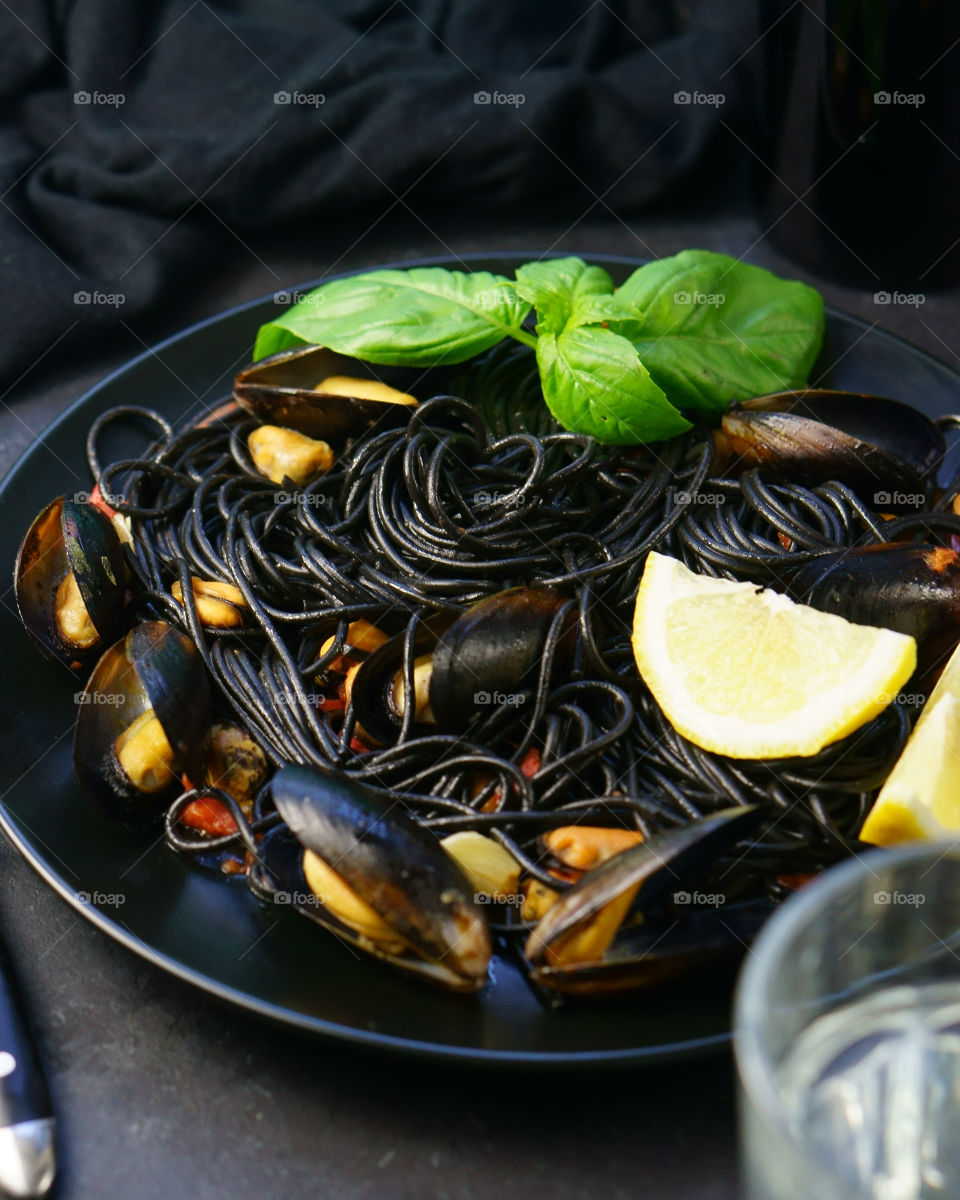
[(921, 797), (746, 672)]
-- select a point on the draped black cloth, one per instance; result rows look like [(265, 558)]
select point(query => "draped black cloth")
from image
[(142, 141)]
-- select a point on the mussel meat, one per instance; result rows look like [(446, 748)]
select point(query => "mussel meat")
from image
[(360, 867), (488, 655), (321, 393), (142, 722), (885, 450), (69, 581), (580, 944)]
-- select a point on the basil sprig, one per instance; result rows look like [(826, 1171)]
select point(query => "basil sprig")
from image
[(683, 336)]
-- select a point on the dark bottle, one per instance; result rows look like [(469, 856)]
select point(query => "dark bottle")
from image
[(861, 180)]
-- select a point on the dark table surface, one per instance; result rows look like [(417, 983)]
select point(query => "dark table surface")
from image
[(162, 1091)]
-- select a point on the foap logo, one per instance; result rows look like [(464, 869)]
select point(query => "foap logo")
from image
[(286, 297), (100, 699), (108, 299), (713, 299), (116, 498), (899, 499), (308, 500), (511, 99), (907, 899), (509, 699), (106, 99), (300, 99), (102, 899), (700, 899), (515, 899), (704, 99), (298, 899), (681, 499), (509, 499), (900, 99), (908, 299), (904, 699)]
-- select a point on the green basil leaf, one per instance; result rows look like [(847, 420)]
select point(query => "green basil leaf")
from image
[(594, 382), (272, 338), (417, 318), (711, 329), (557, 287)]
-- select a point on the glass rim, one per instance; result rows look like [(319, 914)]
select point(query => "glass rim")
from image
[(750, 1008)]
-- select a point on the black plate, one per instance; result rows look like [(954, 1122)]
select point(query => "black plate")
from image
[(210, 931)]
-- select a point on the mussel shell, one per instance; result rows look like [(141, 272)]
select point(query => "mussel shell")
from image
[(660, 865), (909, 588), (392, 863), (375, 681), (277, 878), (156, 667), (659, 951), (279, 390), (70, 536), (890, 425), (496, 646), (873, 444)]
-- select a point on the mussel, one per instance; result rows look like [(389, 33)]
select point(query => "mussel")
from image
[(488, 657), (906, 587), (356, 864), (321, 393), (143, 718), (69, 581), (885, 450), (581, 943)]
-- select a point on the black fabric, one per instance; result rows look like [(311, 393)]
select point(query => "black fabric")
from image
[(183, 151)]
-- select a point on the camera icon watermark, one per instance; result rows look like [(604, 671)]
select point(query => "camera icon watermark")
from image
[(286, 297), (302, 500), (901, 99), (700, 899), (516, 899), (102, 899), (713, 299), (704, 99), (899, 499), (100, 699), (907, 899), (908, 299), (106, 99), (107, 299), (511, 99), (508, 699), (300, 99), (682, 499)]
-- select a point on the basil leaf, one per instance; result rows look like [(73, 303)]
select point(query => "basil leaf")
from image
[(557, 287), (711, 329), (594, 382), (417, 318)]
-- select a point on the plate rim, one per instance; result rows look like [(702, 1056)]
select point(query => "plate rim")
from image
[(281, 1015)]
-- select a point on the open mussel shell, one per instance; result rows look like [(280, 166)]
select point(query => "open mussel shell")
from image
[(657, 952), (655, 868), (374, 690), (70, 537), (391, 863), (880, 447), (494, 651), (280, 390), (154, 669)]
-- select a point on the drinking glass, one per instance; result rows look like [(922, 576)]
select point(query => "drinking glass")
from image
[(847, 1034)]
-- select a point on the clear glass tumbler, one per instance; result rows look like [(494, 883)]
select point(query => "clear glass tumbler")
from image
[(847, 1035)]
